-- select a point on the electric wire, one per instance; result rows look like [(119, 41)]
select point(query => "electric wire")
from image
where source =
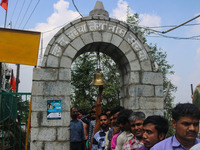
[(58, 27), (25, 13), (167, 26), (163, 32), (196, 37), (157, 35), (76, 8), (14, 10), (20, 13), (31, 14)]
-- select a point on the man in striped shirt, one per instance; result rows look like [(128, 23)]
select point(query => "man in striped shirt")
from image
[(99, 137)]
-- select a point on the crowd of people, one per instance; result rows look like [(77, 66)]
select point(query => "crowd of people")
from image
[(123, 129)]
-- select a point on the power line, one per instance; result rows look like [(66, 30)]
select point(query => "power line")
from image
[(76, 8), (158, 35), (196, 37), (166, 26), (31, 13), (20, 13), (25, 12), (57, 27), (163, 32), (14, 10)]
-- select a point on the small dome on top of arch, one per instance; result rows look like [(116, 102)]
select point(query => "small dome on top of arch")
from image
[(99, 10)]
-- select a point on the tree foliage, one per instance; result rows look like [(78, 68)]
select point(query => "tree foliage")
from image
[(83, 70)]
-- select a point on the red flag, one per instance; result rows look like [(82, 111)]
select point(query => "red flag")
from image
[(12, 83), (4, 4)]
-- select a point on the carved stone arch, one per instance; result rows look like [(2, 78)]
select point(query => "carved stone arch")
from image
[(141, 88)]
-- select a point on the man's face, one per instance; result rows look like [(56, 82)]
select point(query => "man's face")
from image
[(150, 135), (114, 119), (93, 115), (103, 122), (74, 113), (137, 127), (187, 128)]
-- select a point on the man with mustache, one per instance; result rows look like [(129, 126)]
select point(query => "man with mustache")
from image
[(99, 137), (154, 130), (136, 120), (77, 137), (185, 121)]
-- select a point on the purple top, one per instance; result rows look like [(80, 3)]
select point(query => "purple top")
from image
[(171, 143), (142, 148)]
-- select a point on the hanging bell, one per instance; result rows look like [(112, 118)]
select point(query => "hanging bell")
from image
[(98, 79)]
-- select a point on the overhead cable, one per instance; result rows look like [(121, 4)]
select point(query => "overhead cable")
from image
[(25, 13), (19, 13), (197, 37), (57, 27), (163, 32), (31, 14), (76, 8), (166, 26), (181, 24), (14, 10)]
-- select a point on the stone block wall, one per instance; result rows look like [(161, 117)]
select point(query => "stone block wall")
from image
[(141, 89)]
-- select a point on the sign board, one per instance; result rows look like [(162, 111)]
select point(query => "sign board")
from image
[(53, 109), (19, 46)]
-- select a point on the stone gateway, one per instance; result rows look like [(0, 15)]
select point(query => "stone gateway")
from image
[(140, 87)]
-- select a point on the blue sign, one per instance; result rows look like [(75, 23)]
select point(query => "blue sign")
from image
[(53, 109)]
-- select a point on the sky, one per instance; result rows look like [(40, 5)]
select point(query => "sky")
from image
[(182, 45)]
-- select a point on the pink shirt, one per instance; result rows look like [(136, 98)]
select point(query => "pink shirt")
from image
[(114, 141)]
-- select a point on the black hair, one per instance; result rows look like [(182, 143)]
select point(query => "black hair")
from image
[(93, 106), (106, 110), (161, 124), (116, 109), (185, 109), (103, 114), (92, 111), (124, 115), (72, 108), (82, 111)]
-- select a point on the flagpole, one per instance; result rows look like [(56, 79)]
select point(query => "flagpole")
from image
[(5, 20), (1, 75)]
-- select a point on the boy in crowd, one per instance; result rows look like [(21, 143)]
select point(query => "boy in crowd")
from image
[(154, 130)]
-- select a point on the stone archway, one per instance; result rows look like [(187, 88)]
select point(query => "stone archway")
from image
[(141, 88)]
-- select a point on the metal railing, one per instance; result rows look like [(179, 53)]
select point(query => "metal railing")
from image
[(14, 108)]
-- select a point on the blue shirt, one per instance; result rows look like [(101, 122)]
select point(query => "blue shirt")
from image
[(171, 143), (76, 131), (142, 148)]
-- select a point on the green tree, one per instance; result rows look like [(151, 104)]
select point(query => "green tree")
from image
[(160, 58), (83, 69), (82, 72)]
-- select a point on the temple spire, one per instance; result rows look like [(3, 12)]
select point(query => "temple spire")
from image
[(99, 10)]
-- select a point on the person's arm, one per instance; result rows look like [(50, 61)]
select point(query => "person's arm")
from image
[(98, 110)]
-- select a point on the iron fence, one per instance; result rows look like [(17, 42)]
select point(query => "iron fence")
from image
[(14, 109)]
